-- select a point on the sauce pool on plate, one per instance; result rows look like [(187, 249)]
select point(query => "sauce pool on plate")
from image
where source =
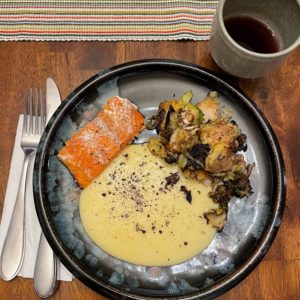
[(144, 211)]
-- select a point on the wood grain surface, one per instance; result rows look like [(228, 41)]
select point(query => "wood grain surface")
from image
[(28, 64)]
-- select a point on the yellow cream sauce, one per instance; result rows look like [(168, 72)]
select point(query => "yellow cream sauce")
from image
[(134, 213)]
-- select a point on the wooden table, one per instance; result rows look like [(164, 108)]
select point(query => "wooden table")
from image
[(27, 64)]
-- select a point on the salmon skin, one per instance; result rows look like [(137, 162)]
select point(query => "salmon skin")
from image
[(92, 148)]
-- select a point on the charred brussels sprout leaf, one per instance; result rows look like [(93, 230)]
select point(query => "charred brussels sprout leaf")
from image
[(239, 187), (197, 156), (242, 143), (155, 121), (200, 152)]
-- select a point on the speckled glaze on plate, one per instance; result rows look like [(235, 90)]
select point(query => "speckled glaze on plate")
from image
[(252, 223)]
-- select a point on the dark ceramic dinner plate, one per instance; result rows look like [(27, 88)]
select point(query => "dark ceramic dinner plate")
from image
[(252, 222)]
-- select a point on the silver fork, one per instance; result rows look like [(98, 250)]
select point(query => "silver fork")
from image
[(13, 250)]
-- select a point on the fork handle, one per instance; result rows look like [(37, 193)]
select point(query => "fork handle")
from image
[(12, 255)]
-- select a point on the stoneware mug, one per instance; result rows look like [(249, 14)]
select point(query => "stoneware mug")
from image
[(282, 16)]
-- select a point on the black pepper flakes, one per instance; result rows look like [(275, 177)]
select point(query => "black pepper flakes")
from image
[(138, 228), (172, 179), (188, 194)]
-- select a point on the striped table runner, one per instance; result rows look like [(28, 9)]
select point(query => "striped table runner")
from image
[(105, 20)]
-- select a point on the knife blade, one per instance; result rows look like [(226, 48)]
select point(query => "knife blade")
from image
[(53, 99), (46, 265)]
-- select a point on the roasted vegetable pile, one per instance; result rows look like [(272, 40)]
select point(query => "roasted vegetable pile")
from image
[(205, 143)]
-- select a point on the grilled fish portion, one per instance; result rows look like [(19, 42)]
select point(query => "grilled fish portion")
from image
[(92, 148)]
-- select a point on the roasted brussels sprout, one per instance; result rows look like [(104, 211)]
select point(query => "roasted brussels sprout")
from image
[(210, 107), (219, 132), (156, 147), (205, 142), (219, 159), (190, 116), (216, 217)]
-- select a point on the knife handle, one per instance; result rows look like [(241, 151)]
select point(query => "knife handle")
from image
[(13, 250), (45, 272)]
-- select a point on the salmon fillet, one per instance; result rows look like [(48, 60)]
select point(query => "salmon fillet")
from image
[(91, 149)]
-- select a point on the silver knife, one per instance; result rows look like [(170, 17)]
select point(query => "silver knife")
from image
[(46, 265)]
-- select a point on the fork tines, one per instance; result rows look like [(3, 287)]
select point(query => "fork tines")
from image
[(34, 105)]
